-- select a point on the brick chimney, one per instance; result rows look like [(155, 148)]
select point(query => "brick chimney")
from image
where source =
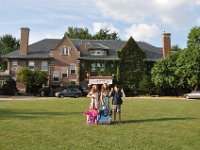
[(24, 41), (166, 43)]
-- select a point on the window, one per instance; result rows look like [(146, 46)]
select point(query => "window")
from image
[(56, 76), (93, 67), (97, 53), (72, 68), (44, 66), (64, 72), (65, 51), (14, 66), (31, 65), (72, 82)]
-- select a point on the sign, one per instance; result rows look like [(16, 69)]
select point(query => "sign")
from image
[(100, 81)]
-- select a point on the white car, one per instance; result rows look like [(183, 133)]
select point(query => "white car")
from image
[(193, 94)]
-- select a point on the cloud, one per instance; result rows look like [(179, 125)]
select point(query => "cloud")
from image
[(198, 2), (142, 32), (104, 25), (167, 12)]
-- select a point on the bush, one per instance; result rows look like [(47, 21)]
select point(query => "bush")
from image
[(9, 88)]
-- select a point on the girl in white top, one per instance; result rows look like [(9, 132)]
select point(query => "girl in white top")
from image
[(94, 95)]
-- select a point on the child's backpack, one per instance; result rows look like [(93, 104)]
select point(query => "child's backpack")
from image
[(104, 116), (91, 116)]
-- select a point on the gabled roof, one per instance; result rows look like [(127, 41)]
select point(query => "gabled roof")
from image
[(41, 48)]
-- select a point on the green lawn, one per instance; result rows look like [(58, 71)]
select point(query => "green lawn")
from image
[(59, 124)]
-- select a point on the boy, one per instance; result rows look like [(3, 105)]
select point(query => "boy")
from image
[(117, 101)]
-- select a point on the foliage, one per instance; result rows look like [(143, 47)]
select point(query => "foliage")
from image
[(97, 68), (78, 33), (180, 70), (194, 38), (54, 124), (83, 33), (9, 88), (8, 43), (163, 72), (33, 79), (104, 34), (132, 65), (175, 48), (188, 68)]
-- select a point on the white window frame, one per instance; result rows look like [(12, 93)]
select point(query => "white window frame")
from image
[(97, 53), (44, 66), (31, 65), (73, 81), (64, 71), (14, 66), (65, 51), (72, 67), (56, 75)]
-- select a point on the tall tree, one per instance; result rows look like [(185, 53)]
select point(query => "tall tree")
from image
[(83, 33), (194, 38), (163, 72), (8, 44), (175, 48), (105, 34), (78, 33), (131, 66), (188, 68)]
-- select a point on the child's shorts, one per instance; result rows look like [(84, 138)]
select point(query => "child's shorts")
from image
[(117, 108)]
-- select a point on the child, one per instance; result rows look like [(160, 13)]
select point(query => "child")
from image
[(104, 96), (117, 101), (94, 95)]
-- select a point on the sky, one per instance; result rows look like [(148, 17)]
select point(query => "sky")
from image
[(144, 20)]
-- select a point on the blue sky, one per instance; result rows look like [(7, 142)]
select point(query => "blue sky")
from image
[(144, 20)]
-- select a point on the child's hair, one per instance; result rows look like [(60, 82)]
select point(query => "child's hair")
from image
[(92, 89), (117, 86), (103, 89)]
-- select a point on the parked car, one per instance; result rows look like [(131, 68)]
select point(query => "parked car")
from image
[(69, 92), (193, 94)]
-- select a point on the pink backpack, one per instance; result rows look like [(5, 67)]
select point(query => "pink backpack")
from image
[(91, 116)]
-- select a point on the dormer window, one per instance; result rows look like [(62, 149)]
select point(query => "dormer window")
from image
[(97, 52), (65, 50)]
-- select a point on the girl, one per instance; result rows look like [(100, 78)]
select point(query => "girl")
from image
[(104, 96), (94, 95)]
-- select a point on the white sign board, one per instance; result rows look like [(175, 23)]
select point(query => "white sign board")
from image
[(100, 81)]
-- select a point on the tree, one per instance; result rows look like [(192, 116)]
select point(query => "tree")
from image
[(8, 43), (131, 66), (104, 34), (83, 33), (175, 48), (9, 88), (194, 38), (32, 79), (78, 33), (163, 73), (181, 69), (188, 68)]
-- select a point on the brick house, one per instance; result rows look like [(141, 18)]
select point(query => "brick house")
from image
[(63, 59)]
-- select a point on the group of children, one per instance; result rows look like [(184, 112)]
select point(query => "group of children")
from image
[(100, 98)]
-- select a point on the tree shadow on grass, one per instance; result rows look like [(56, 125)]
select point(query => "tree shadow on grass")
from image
[(155, 120), (30, 114)]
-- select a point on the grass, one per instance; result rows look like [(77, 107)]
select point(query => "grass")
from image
[(59, 125)]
